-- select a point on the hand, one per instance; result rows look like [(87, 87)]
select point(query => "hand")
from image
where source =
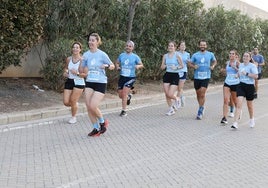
[(73, 71), (65, 74), (212, 67), (173, 67)]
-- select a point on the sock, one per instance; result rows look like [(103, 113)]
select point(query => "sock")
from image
[(101, 120), (96, 125), (231, 109)]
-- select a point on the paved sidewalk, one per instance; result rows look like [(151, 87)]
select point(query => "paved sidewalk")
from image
[(144, 149), (61, 110)]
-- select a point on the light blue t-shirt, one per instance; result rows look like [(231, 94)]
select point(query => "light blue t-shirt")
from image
[(231, 75), (185, 56), (94, 61), (171, 62), (259, 59), (203, 60), (249, 68), (128, 64)]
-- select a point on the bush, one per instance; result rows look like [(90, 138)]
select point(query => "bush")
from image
[(54, 64)]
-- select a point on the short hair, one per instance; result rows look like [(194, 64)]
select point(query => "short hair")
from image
[(131, 42)]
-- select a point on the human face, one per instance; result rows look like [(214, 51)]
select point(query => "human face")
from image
[(129, 47), (76, 49), (182, 46), (93, 42), (171, 47), (246, 57), (232, 55), (255, 51), (202, 46)]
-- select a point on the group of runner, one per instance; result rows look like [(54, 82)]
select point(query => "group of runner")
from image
[(87, 73), (241, 79)]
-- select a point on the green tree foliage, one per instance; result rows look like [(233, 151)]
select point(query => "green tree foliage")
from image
[(21, 26), (155, 23)]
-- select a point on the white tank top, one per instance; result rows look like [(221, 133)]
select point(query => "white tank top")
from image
[(74, 66)]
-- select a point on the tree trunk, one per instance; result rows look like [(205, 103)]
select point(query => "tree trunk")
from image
[(131, 13)]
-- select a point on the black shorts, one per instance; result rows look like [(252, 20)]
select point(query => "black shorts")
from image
[(200, 83), (232, 87), (171, 78), (246, 90), (100, 87), (126, 82), (69, 84)]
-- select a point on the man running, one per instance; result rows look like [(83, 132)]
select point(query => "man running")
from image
[(203, 62)]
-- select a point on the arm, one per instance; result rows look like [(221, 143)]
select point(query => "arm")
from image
[(214, 63), (139, 65), (82, 70), (110, 66), (66, 71), (192, 65), (163, 65), (117, 65), (180, 62)]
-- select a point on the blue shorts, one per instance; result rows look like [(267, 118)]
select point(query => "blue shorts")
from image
[(182, 75), (126, 82)]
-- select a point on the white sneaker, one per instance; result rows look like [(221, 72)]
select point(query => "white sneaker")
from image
[(176, 105), (182, 101), (170, 112), (234, 126), (251, 123), (231, 114), (72, 120)]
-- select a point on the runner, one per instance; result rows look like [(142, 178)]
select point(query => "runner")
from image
[(185, 56), (203, 62), (259, 62), (172, 62), (247, 73), (94, 64), (127, 63), (230, 84), (75, 83)]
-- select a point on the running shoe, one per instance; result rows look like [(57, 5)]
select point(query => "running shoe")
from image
[(103, 126), (224, 120), (200, 113), (234, 125), (182, 101), (123, 113), (72, 120), (94, 132), (129, 96), (251, 123), (176, 105), (231, 114), (170, 112)]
